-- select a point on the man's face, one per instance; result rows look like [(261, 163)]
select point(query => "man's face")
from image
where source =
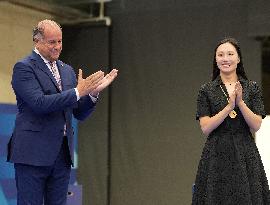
[(50, 46)]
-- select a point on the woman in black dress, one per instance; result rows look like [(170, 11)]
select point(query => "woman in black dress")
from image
[(229, 109)]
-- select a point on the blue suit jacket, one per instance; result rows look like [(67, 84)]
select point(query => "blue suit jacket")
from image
[(43, 110)]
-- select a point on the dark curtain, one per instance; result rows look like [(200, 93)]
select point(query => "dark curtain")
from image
[(87, 47)]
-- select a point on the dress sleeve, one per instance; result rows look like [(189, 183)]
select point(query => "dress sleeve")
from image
[(203, 106), (257, 100)]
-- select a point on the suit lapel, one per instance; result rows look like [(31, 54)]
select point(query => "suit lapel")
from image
[(41, 65)]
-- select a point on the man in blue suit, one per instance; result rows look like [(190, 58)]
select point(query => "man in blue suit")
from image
[(48, 95)]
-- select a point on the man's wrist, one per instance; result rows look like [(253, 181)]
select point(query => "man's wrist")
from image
[(93, 97)]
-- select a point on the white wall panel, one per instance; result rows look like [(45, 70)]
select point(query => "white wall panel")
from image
[(263, 144)]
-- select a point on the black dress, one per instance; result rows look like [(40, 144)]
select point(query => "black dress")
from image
[(230, 170)]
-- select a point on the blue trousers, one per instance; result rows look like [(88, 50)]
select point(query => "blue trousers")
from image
[(48, 185)]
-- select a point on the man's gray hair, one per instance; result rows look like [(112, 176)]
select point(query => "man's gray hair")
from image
[(38, 31)]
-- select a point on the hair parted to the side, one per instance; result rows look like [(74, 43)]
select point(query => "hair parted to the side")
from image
[(38, 31), (240, 71)]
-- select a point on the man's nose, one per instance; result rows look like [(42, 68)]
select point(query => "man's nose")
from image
[(58, 46)]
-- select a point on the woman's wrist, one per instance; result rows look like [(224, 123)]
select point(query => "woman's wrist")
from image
[(241, 103), (228, 108)]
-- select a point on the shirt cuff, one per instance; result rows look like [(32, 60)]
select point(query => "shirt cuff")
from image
[(77, 94), (94, 99)]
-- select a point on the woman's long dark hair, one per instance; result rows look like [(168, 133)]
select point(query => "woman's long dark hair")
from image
[(240, 71)]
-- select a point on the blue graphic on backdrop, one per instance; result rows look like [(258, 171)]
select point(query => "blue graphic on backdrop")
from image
[(7, 180)]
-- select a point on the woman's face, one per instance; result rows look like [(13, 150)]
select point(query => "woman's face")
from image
[(227, 58)]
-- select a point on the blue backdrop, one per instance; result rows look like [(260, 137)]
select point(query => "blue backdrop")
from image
[(7, 181)]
